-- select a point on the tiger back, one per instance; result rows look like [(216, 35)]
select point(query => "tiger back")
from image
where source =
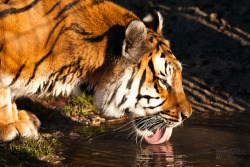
[(71, 46)]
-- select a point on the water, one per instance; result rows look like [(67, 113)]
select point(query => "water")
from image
[(192, 145)]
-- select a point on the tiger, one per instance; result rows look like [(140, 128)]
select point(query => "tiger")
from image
[(71, 46)]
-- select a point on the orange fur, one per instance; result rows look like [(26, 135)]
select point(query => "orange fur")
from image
[(59, 46), (25, 35)]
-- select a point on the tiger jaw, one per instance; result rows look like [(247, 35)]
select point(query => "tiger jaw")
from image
[(146, 126), (154, 129)]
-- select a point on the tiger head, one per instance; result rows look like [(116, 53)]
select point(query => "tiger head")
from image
[(146, 82)]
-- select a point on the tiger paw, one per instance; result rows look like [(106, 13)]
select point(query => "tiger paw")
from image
[(26, 125)]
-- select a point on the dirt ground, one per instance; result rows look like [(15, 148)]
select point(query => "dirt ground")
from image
[(212, 40)]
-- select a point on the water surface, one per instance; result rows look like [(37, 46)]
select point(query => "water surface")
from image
[(192, 145)]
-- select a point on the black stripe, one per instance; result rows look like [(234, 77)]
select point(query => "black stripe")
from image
[(164, 112), (166, 64), (39, 90), (53, 29), (75, 27), (153, 107), (150, 54), (149, 31), (114, 94), (143, 78), (52, 8), (51, 86), (156, 87), (151, 39), (169, 52), (173, 120), (157, 47), (96, 39), (163, 55), (47, 84), (17, 75), (46, 56), (130, 81), (139, 97), (85, 87), (6, 1), (126, 110), (64, 78), (151, 66), (36, 66), (67, 7), (139, 65), (124, 99), (162, 43), (60, 72), (1, 47), (15, 10), (95, 2), (162, 73)]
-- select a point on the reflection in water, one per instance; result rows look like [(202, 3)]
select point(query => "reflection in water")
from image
[(158, 155), (192, 145)]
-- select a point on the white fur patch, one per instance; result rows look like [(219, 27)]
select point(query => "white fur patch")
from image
[(160, 21), (167, 70), (145, 133), (148, 18), (179, 63), (21, 88)]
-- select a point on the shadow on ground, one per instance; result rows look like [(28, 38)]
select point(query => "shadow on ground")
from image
[(18, 158)]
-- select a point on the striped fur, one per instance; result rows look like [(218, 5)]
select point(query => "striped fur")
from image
[(65, 47)]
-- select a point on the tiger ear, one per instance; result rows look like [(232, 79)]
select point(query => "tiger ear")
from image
[(154, 21), (135, 34)]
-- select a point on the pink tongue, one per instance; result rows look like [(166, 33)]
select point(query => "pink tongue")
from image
[(160, 136)]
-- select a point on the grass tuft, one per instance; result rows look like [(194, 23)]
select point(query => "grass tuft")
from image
[(84, 104), (26, 151)]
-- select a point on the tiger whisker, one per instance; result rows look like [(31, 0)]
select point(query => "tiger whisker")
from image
[(123, 125), (141, 142), (145, 120)]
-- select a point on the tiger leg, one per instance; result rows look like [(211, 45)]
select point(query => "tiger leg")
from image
[(14, 123)]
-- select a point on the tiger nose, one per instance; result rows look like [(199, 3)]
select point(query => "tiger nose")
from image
[(185, 114)]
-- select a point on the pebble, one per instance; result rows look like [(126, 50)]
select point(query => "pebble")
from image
[(73, 134), (102, 120), (213, 17), (46, 135)]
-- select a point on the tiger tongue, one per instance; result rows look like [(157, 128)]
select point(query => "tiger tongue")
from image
[(160, 136)]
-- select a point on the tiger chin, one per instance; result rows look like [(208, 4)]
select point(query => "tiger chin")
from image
[(71, 46)]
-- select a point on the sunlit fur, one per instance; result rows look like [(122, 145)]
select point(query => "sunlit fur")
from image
[(71, 46)]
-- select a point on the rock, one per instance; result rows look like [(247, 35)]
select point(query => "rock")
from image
[(102, 120), (73, 134), (46, 135), (213, 17)]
